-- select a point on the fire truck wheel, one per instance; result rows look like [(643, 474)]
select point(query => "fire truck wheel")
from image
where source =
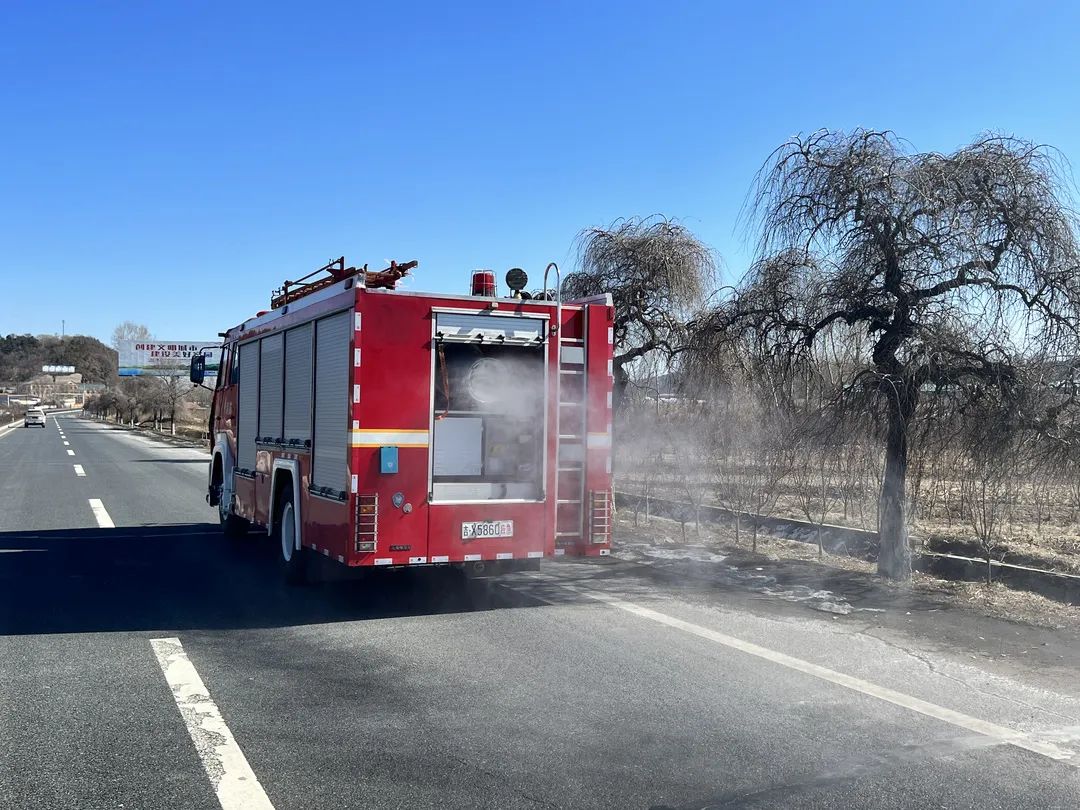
[(293, 560)]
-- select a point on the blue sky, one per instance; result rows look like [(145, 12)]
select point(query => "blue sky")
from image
[(170, 163)]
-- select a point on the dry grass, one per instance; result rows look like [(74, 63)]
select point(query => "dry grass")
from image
[(1001, 601)]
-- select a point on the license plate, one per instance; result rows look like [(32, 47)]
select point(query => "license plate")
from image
[(480, 529)]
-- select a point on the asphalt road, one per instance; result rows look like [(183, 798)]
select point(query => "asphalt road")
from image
[(603, 685)]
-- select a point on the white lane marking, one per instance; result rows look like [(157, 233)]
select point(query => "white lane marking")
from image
[(7, 429), (71, 452), (236, 785), (67, 444), (1001, 733), (79, 471), (102, 517)]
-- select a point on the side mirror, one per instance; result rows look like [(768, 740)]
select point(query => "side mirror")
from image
[(198, 369)]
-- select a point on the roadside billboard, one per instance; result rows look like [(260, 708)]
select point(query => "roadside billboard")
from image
[(166, 358)]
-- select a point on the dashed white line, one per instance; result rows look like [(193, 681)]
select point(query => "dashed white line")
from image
[(79, 471), (66, 444), (1010, 736), (102, 516), (236, 785), (71, 452)]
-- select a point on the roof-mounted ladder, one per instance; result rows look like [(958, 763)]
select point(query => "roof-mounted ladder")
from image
[(337, 271)]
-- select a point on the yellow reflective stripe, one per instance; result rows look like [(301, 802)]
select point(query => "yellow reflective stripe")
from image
[(390, 438)]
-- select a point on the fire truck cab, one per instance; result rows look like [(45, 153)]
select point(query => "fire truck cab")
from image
[(383, 427)]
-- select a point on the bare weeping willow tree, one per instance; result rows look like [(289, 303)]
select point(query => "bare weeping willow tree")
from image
[(957, 274), (657, 273)]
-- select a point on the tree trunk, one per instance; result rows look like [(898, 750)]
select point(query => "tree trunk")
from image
[(620, 382), (894, 553)]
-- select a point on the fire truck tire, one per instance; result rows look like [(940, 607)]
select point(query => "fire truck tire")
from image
[(293, 561)]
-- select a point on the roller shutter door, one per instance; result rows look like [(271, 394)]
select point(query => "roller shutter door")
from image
[(329, 469), (249, 406), (270, 360), (298, 385), (462, 326)]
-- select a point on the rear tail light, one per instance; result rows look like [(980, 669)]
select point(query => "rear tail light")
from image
[(367, 522), (599, 516)]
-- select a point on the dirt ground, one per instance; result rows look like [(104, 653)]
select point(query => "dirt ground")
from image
[(795, 571)]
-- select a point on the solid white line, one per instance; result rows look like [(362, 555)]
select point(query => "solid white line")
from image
[(234, 782), (79, 471), (71, 452), (102, 517), (1005, 735)]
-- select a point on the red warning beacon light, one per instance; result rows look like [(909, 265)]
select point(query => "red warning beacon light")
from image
[(483, 283)]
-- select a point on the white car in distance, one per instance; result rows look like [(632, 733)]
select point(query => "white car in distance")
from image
[(34, 416)]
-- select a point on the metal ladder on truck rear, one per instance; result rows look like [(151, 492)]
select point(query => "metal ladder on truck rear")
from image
[(570, 424)]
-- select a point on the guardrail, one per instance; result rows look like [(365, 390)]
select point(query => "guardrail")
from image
[(1056, 585)]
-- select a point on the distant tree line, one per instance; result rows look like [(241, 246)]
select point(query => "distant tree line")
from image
[(153, 401), (22, 357)]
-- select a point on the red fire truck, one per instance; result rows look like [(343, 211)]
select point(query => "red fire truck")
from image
[(378, 426)]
